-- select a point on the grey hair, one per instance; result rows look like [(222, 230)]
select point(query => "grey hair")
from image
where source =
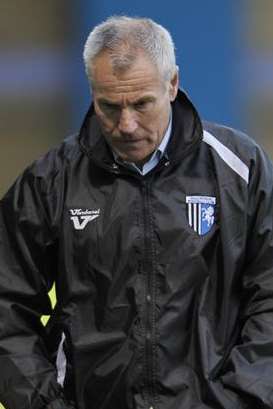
[(123, 36)]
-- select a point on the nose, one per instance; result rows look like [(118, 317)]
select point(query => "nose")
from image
[(127, 122)]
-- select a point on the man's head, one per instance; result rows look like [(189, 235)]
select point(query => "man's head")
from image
[(130, 64)]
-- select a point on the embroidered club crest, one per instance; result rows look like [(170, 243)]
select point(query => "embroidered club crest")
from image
[(201, 211)]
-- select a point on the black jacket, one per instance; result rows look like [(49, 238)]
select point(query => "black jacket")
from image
[(164, 282)]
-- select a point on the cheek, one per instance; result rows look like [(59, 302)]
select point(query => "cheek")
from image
[(149, 119), (154, 124)]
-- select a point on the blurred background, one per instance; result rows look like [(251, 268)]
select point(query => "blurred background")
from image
[(224, 50)]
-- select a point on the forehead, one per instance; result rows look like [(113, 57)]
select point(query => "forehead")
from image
[(141, 77)]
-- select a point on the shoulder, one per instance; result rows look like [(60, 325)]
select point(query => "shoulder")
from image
[(238, 150), (56, 159), (233, 139), (36, 195), (47, 173)]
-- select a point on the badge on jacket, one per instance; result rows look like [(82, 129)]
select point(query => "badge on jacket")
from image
[(201, 213)]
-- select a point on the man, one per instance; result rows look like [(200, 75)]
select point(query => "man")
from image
[(157, 229)]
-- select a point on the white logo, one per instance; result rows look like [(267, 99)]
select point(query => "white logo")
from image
[(208, 215), (81, 218)]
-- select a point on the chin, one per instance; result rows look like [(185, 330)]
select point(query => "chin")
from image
[(133, 158)]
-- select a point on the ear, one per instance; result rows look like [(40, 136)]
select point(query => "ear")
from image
[(173, 86)]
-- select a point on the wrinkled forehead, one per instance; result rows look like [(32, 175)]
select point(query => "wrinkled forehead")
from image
[(109, 66)]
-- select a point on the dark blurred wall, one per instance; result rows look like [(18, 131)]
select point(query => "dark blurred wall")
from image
[(35, 98), (256, 71)]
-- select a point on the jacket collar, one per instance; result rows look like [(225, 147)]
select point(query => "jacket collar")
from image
[(186, 132)]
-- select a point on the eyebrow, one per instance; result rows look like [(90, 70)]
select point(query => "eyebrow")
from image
[(106, 101), (147, 98)]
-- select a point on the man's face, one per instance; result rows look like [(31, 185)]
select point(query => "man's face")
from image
[(132, 106)]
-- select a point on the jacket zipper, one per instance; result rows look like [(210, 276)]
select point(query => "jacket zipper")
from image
[(150, 295)]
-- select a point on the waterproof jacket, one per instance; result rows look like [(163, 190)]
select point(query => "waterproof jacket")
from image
[(164, 282)]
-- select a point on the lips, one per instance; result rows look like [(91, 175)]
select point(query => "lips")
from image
[(125, 140), (131, 140)]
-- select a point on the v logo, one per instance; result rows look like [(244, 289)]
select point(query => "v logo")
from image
[(80, 222)]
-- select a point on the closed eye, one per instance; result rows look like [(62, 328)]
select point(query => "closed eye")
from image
[(109, 107), (142, 105)]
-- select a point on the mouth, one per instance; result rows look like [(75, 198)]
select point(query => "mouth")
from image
[(128, 141), (131, 141)]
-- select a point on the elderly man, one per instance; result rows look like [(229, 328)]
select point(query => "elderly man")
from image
[(157, 230)]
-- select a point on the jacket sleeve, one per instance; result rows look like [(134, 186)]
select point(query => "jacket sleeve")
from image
[(28, 378), (248, 373)]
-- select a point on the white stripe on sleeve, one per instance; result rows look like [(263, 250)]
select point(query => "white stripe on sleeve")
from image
[(232, 160)]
